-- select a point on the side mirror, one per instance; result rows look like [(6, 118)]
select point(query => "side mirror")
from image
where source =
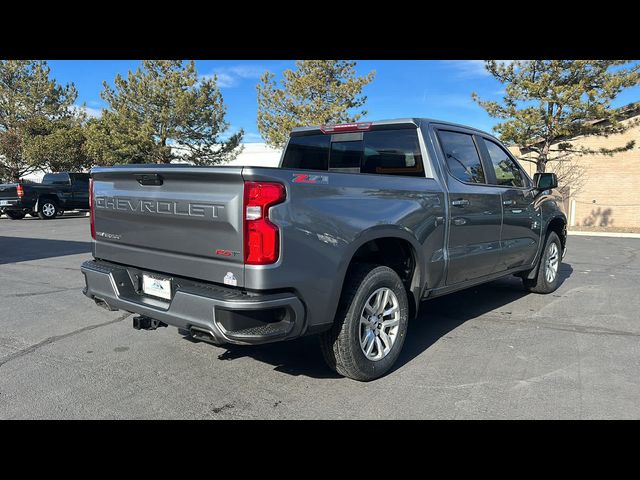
[(545, 181)]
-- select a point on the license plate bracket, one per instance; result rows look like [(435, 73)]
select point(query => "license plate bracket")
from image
[(157, 286)]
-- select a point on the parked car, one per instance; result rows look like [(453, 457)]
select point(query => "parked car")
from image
[(358, 225), (57, 192)]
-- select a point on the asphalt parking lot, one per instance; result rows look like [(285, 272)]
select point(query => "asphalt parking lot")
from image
[(489, 352)]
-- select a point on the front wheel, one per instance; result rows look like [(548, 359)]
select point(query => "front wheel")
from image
[(370, 325), (547, 278), (47, 210)]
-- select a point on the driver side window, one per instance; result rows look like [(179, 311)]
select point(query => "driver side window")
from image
[(462, 156)]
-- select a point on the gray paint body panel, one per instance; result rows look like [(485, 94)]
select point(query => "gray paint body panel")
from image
[(176, 227)]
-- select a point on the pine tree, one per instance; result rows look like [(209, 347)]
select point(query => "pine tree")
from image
[(39, 127), (549, 102), (317, 92), (162, 112)]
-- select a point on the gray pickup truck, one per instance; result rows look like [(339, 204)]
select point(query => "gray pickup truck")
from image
[(358, 225)]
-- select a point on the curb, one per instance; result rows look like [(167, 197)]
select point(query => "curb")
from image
[(604, 234)]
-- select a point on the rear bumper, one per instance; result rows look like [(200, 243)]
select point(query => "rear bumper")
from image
[(12, 204), (226, 315)]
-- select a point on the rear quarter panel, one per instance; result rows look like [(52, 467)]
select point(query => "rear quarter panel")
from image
[(324, 223)]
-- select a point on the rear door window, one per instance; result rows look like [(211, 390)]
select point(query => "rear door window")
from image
[(463, 159), (392, 152)]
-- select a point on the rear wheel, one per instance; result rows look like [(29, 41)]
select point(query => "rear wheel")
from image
[(370, 326), (14, 215), (47, 210), (547, 278)]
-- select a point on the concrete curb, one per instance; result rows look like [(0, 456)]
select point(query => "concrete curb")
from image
[(604, 234)]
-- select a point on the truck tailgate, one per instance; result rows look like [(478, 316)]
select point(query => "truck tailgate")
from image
[(176, 220), (8, 191)]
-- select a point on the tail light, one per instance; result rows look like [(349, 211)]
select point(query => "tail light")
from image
[(261, 237), (20, 191), (91, 210)]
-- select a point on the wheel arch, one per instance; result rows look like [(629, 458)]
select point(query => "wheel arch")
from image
[(44, 197), (391, 247), (558, 224)]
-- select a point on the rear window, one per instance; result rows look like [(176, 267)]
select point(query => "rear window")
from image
[(56, 179), (309, 152), (382, 152), (345, 156)]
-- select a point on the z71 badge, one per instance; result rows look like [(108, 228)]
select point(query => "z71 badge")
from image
[(306, 178)]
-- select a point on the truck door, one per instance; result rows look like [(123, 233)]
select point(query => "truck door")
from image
[(521, 225), (475, 208), (61, 183)]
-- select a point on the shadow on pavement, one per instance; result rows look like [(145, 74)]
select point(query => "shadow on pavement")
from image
[(22, 249), (436, 319), (440, 316)]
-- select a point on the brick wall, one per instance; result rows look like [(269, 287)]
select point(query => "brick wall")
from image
[(610, 195)]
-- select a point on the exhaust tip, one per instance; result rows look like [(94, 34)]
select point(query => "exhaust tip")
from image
[(103, 304), (203, 335)]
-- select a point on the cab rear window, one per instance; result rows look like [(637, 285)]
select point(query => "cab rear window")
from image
[(382, 152), (56, 179), (309, 152)]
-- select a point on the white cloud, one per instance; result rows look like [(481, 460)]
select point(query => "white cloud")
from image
[(448, 100), (471, 68), (224, 80), (250, 137), (468, 68), (229, 77), (89, 111)]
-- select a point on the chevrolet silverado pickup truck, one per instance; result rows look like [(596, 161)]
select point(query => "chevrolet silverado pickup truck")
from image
[(57, 192), (356, 226)]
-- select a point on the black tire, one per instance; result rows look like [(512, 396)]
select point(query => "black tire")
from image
[(541, 282), (14, 215), (341, 344), (47, 209)]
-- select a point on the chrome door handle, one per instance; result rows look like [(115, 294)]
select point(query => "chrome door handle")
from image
[(508, 203), (460, 202)]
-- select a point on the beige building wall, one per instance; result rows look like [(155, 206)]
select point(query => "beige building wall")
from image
[(610, 192)]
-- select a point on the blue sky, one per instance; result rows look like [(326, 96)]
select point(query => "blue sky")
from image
[(401, 88)]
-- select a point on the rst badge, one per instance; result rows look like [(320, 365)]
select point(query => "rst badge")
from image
[(307, 178)]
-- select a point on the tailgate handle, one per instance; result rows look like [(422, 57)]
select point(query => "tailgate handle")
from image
[(150, 179)]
